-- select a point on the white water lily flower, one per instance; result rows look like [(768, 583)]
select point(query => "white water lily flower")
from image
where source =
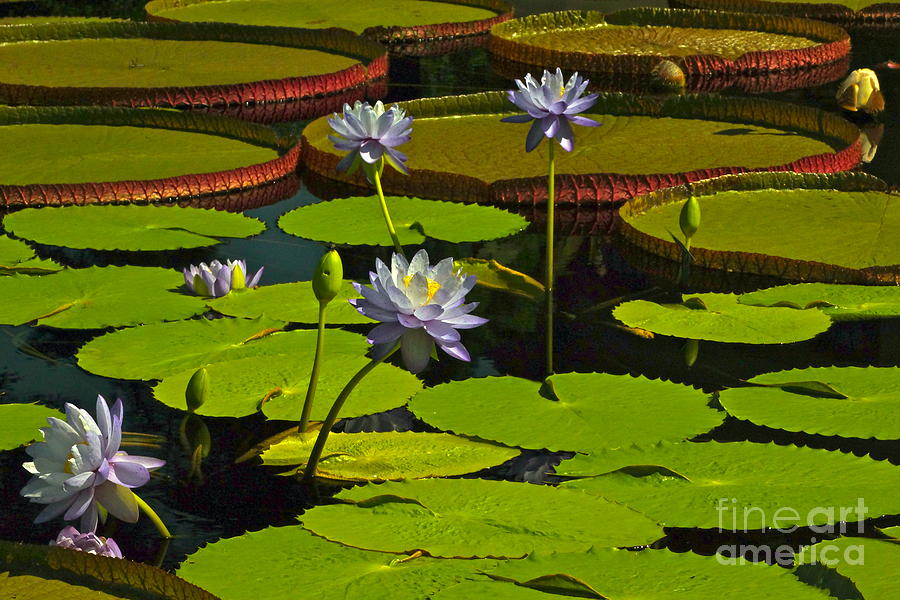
[(861, 91)]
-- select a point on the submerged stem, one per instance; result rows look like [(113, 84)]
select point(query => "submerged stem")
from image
[(314, 375), (151, 514), (376, 177), (548, 285)]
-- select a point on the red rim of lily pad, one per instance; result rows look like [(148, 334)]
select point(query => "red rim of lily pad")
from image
[(150, 190), (748, 263), (596, 187), (883, 15), (833, 43), (372, 66)]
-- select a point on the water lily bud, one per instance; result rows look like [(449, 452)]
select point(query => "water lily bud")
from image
[(238, 278), (329, 277), (667, 76), (689, 219), (691, 350), (196, 435), (197, 389), (861, 91)]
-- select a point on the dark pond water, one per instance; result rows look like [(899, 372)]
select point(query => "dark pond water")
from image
[(37, 364)]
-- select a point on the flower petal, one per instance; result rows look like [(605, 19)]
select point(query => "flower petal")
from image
[(129, 474), (415, 348), (118, 500)]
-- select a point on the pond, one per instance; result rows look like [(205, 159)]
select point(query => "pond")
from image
[(205, 498)]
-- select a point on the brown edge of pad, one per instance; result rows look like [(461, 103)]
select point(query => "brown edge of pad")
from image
[(834, 42), (875, 16), (595, 188), (373, 65), (751, 263), (150, 190)]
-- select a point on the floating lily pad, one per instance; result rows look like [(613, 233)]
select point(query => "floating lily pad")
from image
[(292, 302), (19, 423), (853, 402), (18, 257), (392, 455), (97, 297), (577, 411), (864, 561), (100, 155), (129, 227), (460, 150), (852, 14), (740, 485), (840, 302), (720, 318), (359, 221), (476, 518), (297, 560), (277, 384), (791, 226)]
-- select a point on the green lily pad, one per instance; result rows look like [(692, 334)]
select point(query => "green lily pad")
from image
[(578, 411), (720, 318), (360, 457), (297, 560), (291, 302), (840, 302), (476, 518), (277, 384), (864, 561), (740, 485), (19, 423), (854, 14), (359, 221), (97, 297), (868, 408), (18, 257), (129, 227)]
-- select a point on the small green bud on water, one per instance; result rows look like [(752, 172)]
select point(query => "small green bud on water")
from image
[(329, 277), (196, 392), (691, 350), (689, 219)]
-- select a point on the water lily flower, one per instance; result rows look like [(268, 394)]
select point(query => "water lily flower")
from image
[(71, 539), (552, 104), (420, 305), (216, 279), (371, 133), (78, 468), (861, 91)]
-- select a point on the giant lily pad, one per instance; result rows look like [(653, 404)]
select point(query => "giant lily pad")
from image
[(19, 423), (18, 257), (851, 14), (840, 302), (101, 155), (740, 485), (720, 318), (476, 518), (291, 302), (577, 411), (277, 384), (129, 227), (297, 560), (360, 221), (392, 455), (864, 561), (96, 297), (461, 151), (853, 402), (793, 226)]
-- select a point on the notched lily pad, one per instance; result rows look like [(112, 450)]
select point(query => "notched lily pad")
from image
[(290, 302), (840, 302), (854, 15), (18, 257), (861, 560), (19, 423)]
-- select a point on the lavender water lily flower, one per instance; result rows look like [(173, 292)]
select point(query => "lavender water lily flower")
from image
[(71, 539), (420, 305), (552, 104), (371, 134), (78, 468), (216, 279)]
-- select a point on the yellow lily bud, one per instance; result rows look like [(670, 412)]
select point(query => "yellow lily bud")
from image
[(329, 277), (238, 278), (861, 91)]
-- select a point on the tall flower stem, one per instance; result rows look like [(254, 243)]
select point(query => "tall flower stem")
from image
[(314, 375), (551, 221), (151, 514), (376, 177), (310, 473)]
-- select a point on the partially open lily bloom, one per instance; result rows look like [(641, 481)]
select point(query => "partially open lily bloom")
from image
[(71, 539), (78, 468), (860, 90), (371, 134), (420, 305), (552, 104), (216, 279)]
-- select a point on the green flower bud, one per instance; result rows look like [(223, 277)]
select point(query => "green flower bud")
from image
[(238, 278), (197, 389), (197, 435), (329, 277), (691, 350), (689, 219)]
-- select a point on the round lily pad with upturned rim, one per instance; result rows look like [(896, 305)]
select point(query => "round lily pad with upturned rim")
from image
[(840, 302), (20, 423), (129, 227), (854, 15), (291, 302), (460, 150), (18, 257)]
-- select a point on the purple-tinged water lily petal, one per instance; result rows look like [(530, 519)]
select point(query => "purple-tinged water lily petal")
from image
[(396, 160), (535, 135), (456, 350), (587, 122), (442, 332), (566, 136), (428, 312), (80, 503), (466, 321), (345, 163), (557, 108), (415, 349), (517, 119), (386, 333), (90, 518), (347, 145), (79, 482), (581, 105), (370, 151), (150, 463), (127, 473), (409, 321), (51, 511), (550, 125)]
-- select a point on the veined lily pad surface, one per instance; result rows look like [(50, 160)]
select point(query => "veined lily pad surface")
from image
[(852, 14), (129, 227), (461, 151), (740, 485), (854, 402), (19, 423), (862, 560), (581, 412), (476, 518), (18, 257), (291, 302), (840, 302)]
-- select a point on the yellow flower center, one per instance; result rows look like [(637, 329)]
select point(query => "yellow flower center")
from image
[(562, 91), (433, 287)]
